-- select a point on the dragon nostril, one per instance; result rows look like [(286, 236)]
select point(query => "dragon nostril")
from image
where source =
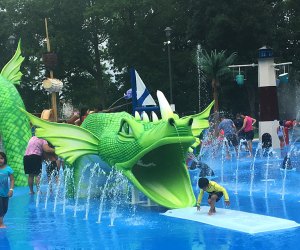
[(171, 121), (190, 122)]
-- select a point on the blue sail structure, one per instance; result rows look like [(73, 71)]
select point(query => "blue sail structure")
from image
[(141, 97)]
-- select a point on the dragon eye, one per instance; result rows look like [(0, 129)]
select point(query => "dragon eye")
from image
[(126, 129)]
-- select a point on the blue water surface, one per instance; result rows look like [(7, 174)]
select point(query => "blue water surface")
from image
[(142, 227)]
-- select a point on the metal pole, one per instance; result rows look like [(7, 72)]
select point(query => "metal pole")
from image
[(280, 64), (199, 75), (53, 94), (170, 72), (243, 65)]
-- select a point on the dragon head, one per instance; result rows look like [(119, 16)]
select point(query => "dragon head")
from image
[(158, 166)]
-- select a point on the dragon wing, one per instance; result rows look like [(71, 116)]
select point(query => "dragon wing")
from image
[(11, 71), (70, 141), (200, 120)]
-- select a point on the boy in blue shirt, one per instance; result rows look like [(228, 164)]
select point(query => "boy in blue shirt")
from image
[(6, 191)]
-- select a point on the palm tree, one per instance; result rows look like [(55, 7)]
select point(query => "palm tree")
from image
[(214, 67)]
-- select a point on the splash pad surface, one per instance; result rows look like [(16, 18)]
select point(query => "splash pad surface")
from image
[(233, 219), (140, 227)]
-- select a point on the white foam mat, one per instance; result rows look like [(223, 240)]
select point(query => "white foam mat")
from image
[(232, 219)]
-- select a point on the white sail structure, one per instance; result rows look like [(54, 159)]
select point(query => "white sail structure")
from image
[(144, 98)]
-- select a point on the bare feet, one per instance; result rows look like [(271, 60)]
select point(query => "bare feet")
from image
[(2, 226), (211, 211), (31, 193)]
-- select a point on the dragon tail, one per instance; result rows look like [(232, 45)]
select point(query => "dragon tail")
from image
[(14, 124)]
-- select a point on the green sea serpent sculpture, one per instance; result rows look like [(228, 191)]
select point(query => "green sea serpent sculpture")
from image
[(151, 154)]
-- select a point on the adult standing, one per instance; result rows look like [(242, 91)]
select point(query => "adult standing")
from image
[(238, 122), (248, 129), (33, 160), (229, 129)]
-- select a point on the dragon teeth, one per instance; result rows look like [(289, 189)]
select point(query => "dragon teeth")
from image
[(165, 108)]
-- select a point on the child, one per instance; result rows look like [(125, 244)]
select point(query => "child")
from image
[(281, 134), (215, 194), (5, 191)]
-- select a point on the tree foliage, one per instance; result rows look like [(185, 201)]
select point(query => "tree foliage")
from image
[(215, 65), (98, 41)]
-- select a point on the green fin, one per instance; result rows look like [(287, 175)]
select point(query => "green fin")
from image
[(70, 141), (11, 71), (200, 121)]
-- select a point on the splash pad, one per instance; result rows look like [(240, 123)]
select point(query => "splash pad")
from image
[(123, 225)]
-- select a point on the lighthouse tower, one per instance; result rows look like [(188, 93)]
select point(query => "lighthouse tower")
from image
[(268, 103)]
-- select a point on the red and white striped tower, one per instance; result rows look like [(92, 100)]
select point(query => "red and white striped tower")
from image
[(268, 102)]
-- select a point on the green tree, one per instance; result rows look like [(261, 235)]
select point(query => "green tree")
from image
[(136, 39), (98, 39), (76, 35), (241, 26), (215, 65)]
